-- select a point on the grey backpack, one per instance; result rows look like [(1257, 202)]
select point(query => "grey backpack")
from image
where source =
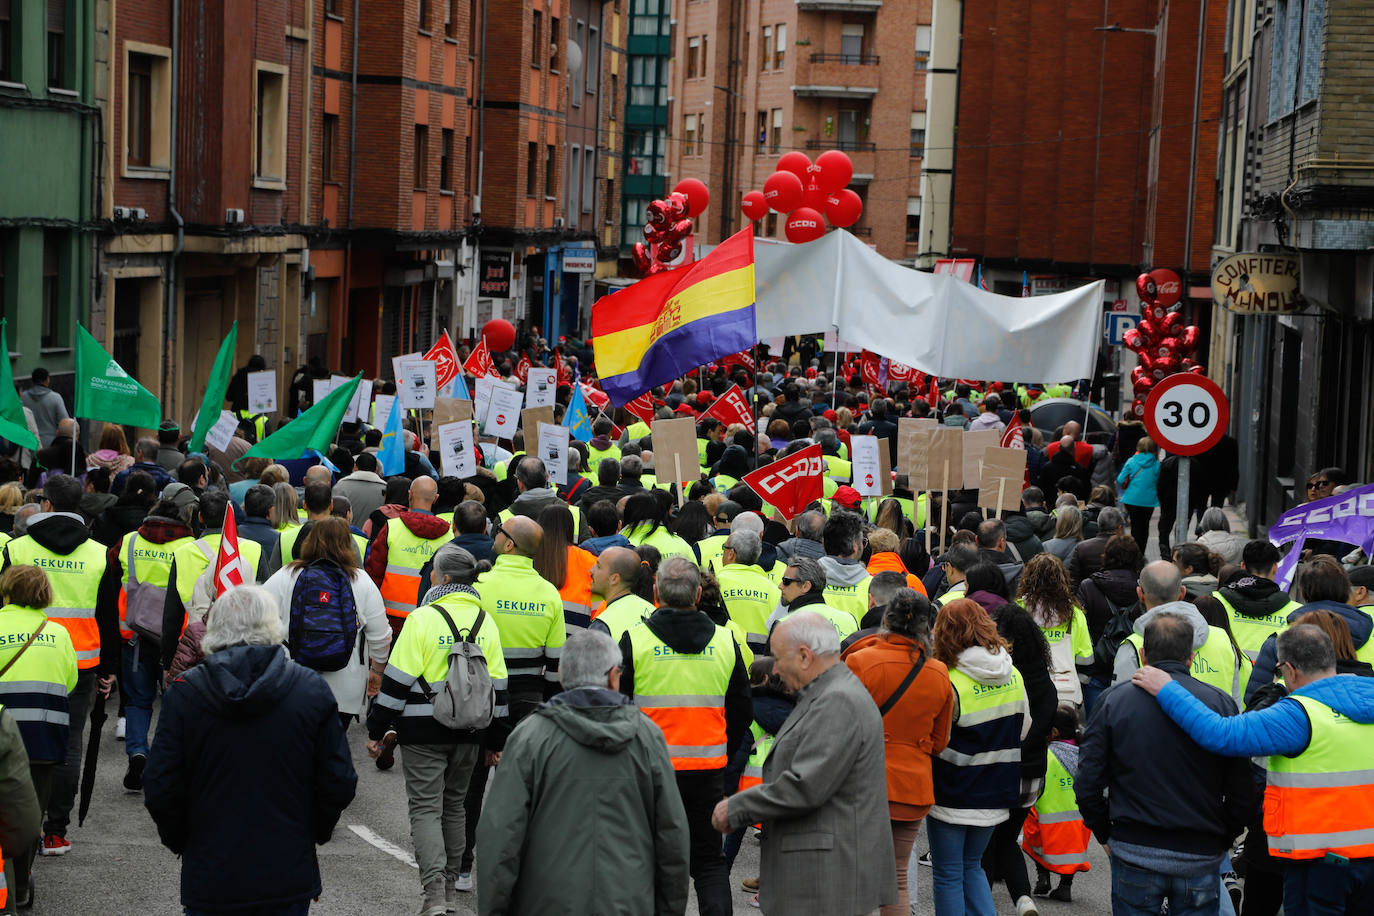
[(466, 699)]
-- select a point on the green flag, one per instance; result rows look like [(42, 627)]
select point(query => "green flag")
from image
[(313, 429), (13, 425), (215, 389), (104, 391)]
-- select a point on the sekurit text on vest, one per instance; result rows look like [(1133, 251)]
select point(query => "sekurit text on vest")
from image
[(59, 563)]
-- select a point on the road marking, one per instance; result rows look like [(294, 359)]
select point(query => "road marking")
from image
[(383, 844)]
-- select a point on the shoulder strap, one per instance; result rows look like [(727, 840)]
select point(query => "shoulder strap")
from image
[(205, 550), (15, 657), (902, 687)]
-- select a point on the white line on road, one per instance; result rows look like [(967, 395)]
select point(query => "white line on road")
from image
[(383, 844)]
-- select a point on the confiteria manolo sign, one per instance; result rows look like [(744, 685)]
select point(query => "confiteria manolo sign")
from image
[(1257, 284)]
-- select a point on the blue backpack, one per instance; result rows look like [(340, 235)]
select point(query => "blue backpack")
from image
[(323, 628)]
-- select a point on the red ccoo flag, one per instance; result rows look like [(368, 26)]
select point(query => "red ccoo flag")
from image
[(933, 395), (731, 407), (642, 407), (445, 360), (523, 367), (792, 484), (228, 564)]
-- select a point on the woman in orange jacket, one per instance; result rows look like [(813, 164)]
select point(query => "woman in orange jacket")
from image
[(560, 561), (916, 717), (883, 557)]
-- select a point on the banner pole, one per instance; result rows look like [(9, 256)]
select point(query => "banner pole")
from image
[(681, 494), (76, 431), (834, 382), (944, 506), (930, 517)]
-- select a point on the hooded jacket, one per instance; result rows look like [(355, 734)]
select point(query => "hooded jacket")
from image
[(1254, 596), (118, 520), (1266, 668), (842, 571), (1128, 660), (365, 492), (208, 778), (800, 547), (586, 763), (1021, 533), (889, 561), (1041, 522)]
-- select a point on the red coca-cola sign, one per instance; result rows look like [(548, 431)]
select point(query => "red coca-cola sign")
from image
[(1168, 287)]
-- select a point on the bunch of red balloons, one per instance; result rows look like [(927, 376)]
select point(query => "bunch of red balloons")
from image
[(1161, 341), (668, 223), (808, 193)]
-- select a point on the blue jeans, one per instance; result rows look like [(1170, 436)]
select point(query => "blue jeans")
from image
[(1140, 892), (1316, 887), (1226, 908), (956, 854), (140, 689)]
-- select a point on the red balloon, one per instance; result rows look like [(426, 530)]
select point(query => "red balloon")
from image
[(657, 214), (1137, 372), (1168, 347), (836, 169), (1170, 322), (499, 335), (1168, 287), (1138, 408), (643, 263), (1133, 340), (754, 206), (698, 195), (783, 191), (677, 205), (804, 225), (814, 198), (1168, 365), (844, 209), (1188, 340), (1146, 361), (668, 253), (1148, 330), (1142, 385), (1145, 286), (1198, 370), (794, 162)]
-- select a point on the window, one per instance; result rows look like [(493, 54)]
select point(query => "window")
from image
[(451, 19), (922, 46), (775, 140), (467, 157), (54, 247), (57, 44), (918, 134), (573, 196), (147, 108), (537, 40), (780, 47), (6, 40), (606, 210), (703, 55), (847, 128), (588, 179), (693, 57), (331, 7), (418, 157), (770, 224), (446, 160), (851, 43), (645, 88), (553, 43), (766, 61), (329, 149), (531, 169), (269, 124), (579, 76), (424, 15), (1297, 30), (1310, 66), (763, 131), (550, 171), (593, 64), (913, 219), (689, 135), (615, 94)]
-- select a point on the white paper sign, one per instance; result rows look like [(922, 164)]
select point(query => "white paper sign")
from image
[(381, 411), (866, 465), (361, 398), (321, 389), (455, 449), (540, 387), (484, 387), (503, 415), (396, 363), (262, 391), (219, 435), (553, 451), (415, 384)]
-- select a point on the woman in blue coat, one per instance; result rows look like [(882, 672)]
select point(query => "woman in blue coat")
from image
[(1137, 483)]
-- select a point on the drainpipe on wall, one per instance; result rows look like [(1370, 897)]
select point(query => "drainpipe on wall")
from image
[(347, 293), (169, 318)]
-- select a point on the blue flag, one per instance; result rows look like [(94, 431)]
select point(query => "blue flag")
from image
[(460, 388), (392, 454), (576, 418)]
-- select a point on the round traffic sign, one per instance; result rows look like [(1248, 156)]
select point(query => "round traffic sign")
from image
[(1187, 413)]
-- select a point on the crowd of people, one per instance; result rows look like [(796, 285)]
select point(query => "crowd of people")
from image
[(660, 670)]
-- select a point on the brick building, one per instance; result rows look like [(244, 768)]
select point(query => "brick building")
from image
[(752, 79)]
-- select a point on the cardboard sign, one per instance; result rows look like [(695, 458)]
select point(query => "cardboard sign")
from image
[(975, 443), (885, 467), (553, 451), (1004, 470), (675, 445), (451, 410), (945, 461), (917, 453), (262, 391), (503, 414), (540, 387), (530, 418), (219, 435), (863, 452), (416, 384), (381, 410), (455, 449), (905, 427)]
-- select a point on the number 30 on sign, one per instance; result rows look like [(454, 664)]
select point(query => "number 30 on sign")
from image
[(1187, 414)]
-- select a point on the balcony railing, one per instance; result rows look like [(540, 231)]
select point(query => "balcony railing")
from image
[(861, 231), (856, 60), (853, 146)]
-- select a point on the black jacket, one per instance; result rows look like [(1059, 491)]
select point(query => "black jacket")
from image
[(249, 770), (1098, 592), (1142, 780), (689, 632), (1030, 655), (117, 521)]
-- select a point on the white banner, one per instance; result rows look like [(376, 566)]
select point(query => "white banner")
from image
[(219, 435), (415, 384), (357, 408), (455, 449), (503, 415), (262, 391), (553, 451), (540, 387), (381, 410)]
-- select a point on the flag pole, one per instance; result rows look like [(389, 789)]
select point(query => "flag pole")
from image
[(76, 430), (834, 382)]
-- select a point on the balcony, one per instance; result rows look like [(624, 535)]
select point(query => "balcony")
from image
[(853, 60), (827, 75), (840, 6), (848, 146)]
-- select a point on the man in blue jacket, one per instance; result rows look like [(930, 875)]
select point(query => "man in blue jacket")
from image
[(1319, 738)]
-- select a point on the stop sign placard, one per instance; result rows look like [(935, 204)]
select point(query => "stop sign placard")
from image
[(1187, 414)]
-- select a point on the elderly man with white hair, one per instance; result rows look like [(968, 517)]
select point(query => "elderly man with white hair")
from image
[(249, 746), (588, 756), (827, 846)]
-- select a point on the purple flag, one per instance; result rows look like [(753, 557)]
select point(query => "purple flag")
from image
[(1346, 517)]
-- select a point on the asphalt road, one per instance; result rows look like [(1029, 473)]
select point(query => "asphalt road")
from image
[(117, 866)]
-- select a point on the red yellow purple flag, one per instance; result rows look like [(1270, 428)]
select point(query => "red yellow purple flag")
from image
[(671, 322)]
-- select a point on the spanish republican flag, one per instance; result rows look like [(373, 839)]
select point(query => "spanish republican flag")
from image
[(671, 322)]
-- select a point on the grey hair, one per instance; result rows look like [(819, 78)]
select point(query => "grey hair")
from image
[(678, 580), (245, 615), (1160, 582), (588, 656), (1110, 519), (22, 516), (458, 565), (747, 546), (631, 466), (809, 525), (1214, 519), (808, 570), (807, 628), (747, 521)]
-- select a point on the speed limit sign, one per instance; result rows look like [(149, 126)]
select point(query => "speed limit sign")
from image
[(1187, 413)]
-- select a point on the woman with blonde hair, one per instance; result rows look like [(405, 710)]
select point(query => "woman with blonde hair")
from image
[(285, 506), (113, 453), (1068, 532), (11, 498)]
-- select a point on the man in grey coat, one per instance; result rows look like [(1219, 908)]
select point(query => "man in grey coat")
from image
[(47, 405), (364, 490), (827, 841)]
